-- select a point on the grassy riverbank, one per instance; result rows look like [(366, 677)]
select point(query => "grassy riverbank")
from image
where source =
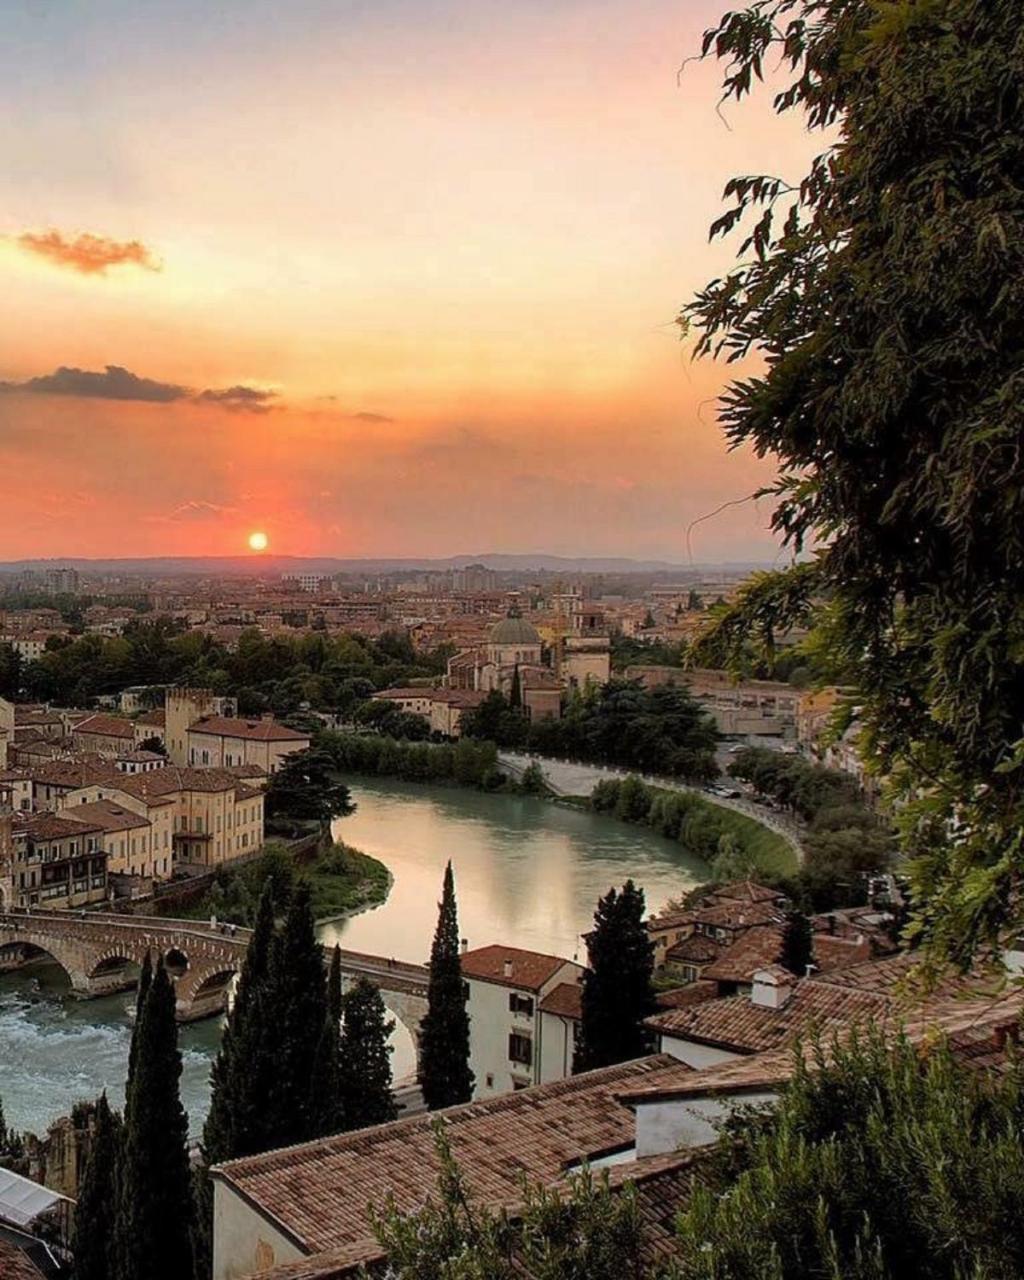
[(341, 881), (731, 843)]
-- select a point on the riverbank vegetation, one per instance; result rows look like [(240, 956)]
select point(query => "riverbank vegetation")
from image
[(339, 879), (663, 730), (844, 840), (733, 845)]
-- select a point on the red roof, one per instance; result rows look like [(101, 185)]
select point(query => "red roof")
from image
[(256, 730), (565, 1001), (107, 726), (529, 970)]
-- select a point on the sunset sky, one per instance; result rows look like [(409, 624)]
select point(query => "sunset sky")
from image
[(388, 278)]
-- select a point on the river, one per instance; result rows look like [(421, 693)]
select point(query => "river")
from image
[(528, 873)]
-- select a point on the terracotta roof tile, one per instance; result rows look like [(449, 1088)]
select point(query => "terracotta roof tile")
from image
[(510, 966), (565, 1001), (255, 730), (107, 726), (318, 1192)]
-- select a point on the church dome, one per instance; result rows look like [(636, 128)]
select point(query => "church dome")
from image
[(513, 630)]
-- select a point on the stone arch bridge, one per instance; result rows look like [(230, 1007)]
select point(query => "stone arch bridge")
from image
[(100, 953)]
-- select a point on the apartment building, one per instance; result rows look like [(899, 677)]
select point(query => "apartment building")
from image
[(134, 844), (229, 740), (55, 862), (516, 1041), (104, 735)]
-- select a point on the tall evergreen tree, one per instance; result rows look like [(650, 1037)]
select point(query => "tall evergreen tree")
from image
[(444, 1074), (240, 1079), (236, 1094), (141, 992), (96, 1207), (297, 998), (366, 1059), (797, 948), (326, 1102), (617, 993), (154, 1210)]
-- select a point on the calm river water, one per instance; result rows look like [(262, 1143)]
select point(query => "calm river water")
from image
[(528, 873)]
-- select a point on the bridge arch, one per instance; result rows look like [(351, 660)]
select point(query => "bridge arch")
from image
[(15, 951)]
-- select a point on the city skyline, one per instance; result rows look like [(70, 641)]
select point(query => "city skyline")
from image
[(397, 282)]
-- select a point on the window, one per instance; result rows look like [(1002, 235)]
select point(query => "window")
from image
[(520, 1004), (520, 1049)]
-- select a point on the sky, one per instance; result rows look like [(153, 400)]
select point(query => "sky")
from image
[(378, 277)]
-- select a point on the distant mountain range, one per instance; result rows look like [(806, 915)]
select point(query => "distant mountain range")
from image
[(272, 565)]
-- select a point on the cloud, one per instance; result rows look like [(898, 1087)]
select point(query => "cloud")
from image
[(365, 416), (114, 383), (88, 254), (240, 399), (197, 509)]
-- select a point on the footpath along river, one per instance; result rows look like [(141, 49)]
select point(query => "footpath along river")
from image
[(528, 873)]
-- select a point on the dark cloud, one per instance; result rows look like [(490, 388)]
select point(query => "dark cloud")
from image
[(241, 399), (88, 254), (114, 383), (365, 416)]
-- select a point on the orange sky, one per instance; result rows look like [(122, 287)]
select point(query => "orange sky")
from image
[(422, 257)]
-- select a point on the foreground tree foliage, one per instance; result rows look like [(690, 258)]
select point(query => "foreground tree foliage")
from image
[(881, 1162), (617, 993), (876, 1166), (586, 1234), (444, 1075), (885, 292)]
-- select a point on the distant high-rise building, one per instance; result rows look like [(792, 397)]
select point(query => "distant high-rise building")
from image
[(62, 582), (474, 577)]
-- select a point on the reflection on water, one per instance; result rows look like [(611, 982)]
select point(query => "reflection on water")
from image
[(528, 873)]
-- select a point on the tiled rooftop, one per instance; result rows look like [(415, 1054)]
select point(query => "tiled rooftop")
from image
[(256, 730), (510, 966), (318, 1192)]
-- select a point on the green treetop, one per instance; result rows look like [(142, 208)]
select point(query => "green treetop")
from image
[(617, 993), (96, 1206), (882, 294), (444, 1075), (154, 1209), (366, 1059)]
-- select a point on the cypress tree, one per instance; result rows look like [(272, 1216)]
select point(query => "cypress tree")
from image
[(617, 993), (297, 1010), (444, 1073), (141, 992), (515, 697), (234, 1078), (327, 1109), (96, 1208), (366, 1059), (154, 1209), (797, 948), (239, 1080)]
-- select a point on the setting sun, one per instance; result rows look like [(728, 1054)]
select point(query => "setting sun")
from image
[(257, 541)]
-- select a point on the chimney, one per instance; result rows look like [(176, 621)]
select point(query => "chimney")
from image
[(772, 988), (464, 945), (507, 968)]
